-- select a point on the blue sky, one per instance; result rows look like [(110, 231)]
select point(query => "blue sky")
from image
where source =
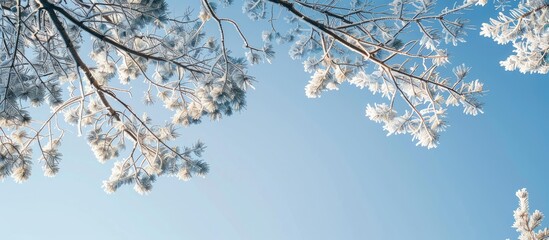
[(289, 168)]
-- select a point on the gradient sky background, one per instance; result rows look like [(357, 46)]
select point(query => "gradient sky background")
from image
[(290, 168)]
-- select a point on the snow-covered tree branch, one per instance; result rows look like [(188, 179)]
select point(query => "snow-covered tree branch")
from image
[(395, 50), (527, 28), (183, 68), (525, 223), (97, 49)]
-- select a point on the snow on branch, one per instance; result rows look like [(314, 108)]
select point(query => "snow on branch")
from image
[(396, 50), (527, 28), (184, 69), (526, 223)]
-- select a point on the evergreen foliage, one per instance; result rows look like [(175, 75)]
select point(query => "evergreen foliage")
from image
[(395, 50)]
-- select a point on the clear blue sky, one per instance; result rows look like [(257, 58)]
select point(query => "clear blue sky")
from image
[(293, 168)]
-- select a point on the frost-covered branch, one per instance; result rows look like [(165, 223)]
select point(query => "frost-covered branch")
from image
[(526, 223), (526, 27), (375, 46), (187, 71), (395, 49)]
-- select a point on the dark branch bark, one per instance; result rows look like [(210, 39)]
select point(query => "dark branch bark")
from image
[(53, 8), (325, 29)]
